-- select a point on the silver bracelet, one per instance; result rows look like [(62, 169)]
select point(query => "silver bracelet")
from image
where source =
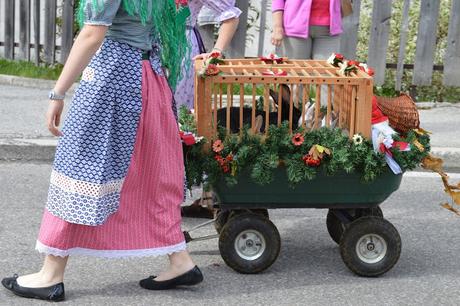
[(55, 96), (218, 49)]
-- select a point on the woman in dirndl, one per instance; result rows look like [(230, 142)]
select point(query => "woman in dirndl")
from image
[(227, 15), (117, 180)]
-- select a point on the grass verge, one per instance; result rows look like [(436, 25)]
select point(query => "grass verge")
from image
[(30, 70)]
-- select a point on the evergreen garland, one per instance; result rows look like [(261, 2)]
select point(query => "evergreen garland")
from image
[(259, 156)]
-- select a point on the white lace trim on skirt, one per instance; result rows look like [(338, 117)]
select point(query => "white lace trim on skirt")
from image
[(40, 247), (85, 188)]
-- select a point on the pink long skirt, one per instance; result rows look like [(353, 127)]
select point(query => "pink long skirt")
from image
[(148, 220)]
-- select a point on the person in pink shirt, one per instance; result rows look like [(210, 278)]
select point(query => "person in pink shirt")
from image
[(306, 29)]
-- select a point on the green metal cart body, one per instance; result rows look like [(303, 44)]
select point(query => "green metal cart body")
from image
[(341, 190)]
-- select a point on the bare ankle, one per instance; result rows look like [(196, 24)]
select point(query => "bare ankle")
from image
[(51, 277), (181, 261)]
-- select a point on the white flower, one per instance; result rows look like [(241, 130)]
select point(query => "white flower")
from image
[(331, 59), (357, 139), (198, 138), (343, 66), (364, 66)]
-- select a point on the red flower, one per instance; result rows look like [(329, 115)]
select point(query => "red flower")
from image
[(215, 54), (277, 72), (310, 161), (212, 69), (181, 3), (272, 58), (352, 62), (339, 56), (225, 168), (188, 139), (217, 146), (219, 160), (297, 139), (229, 158), (370, 71)]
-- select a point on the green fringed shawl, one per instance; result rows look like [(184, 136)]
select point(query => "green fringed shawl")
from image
[(169, 23)]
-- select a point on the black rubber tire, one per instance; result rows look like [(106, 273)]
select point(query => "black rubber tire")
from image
[(222, 217), (374, 211), (335, 227), (364, 226), (243, 222)]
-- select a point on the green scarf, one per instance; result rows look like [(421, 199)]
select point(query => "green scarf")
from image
[(170, 24)]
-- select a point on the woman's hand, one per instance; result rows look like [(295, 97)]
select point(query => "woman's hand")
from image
[(53, 116), (277, 36), (205, 56), (202, 56)]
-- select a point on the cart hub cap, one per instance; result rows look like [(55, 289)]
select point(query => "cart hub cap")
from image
[(371, 248), (250, 244)]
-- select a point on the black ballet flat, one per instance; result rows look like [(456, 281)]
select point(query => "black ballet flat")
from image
[(53, 293), (189, 278)]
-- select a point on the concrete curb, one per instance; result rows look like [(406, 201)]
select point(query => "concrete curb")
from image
[(429, 105), (43, 149), (31, 82), (39, 149)]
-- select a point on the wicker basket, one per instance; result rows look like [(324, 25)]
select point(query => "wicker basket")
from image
[(401, 112)]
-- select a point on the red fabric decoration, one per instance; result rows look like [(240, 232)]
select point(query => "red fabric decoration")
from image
[(377, 115)]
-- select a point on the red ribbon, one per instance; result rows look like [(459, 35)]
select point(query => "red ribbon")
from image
[(401, 145)]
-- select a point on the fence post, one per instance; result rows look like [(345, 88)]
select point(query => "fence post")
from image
[(378, 44), (50, 31), (67, 29), (349, 37), (238, 45), (36, 16), (426, 42), (263, 24), (452, 58), (9, 29), (402, 44), (24, 29)]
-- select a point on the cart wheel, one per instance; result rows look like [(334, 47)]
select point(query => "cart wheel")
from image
[(335, 227), (374, 211), (370, 246), (249, 243), (261, 211), (222, 217)]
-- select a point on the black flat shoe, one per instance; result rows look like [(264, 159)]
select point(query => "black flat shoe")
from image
[(53, 293), (189, 278)]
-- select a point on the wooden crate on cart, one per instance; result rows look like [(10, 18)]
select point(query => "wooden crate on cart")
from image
[(242, 82)]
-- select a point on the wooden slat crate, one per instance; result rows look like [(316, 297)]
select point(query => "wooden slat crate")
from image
[(346, 101)]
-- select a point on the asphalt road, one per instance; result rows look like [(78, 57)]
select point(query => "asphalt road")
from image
[(309, 270)]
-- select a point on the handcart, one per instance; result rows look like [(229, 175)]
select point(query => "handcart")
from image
[(249, 241)]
